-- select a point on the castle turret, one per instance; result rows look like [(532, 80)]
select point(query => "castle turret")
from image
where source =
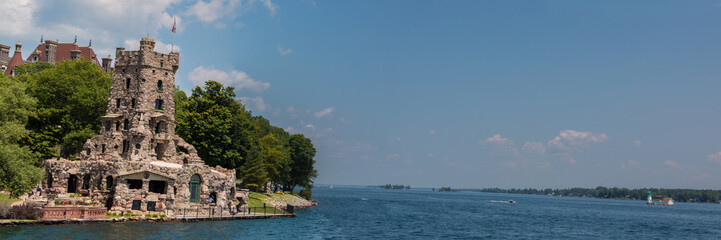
[(141, 111)]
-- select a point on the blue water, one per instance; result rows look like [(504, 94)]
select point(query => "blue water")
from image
[(371, 213)]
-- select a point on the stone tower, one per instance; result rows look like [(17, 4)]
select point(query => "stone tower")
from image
[(139, 124)]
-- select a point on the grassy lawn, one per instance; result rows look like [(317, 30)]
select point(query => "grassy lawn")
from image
[(5, 196), (256, 199)]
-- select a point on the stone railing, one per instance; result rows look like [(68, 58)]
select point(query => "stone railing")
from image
[(73, 212)]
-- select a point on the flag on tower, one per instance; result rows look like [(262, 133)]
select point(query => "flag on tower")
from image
[(173, 25)]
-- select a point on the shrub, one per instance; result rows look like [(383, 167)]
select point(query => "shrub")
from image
[(128, 215), (5, 208), (25, 211), (162, 215), (155, 216), (305, 193), (147, 215), (57, 202)]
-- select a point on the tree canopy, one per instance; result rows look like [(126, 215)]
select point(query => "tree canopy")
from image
[(71, 98), (19, 167)]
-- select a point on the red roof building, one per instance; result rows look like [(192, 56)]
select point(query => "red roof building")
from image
[(17, 59), (53, 52)]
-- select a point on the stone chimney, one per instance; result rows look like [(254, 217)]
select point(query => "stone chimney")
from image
[(18, 46), (4, 54)]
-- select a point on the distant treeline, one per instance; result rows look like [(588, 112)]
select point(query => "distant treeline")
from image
[(679, 195), (447, 189), (397, 187)]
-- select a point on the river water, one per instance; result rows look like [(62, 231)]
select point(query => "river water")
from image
[(351, 212)]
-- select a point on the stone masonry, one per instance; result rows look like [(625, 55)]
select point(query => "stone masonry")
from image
[(137, 163)]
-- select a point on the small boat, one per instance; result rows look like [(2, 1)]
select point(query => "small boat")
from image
[(509, 201), (331, 186)]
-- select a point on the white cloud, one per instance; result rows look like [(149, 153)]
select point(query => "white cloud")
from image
[(16, 17), (238, 79), (268, 4), (571, 138), (346, 121), (134, 44), (213, 10), (324, 112), (534, 148), (670, 163), (630, 163), (310, 126), (256, 103), (432, 132), (284, 52), (637, 143), (716, 157), (497, 139)]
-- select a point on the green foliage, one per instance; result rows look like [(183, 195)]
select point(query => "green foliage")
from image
[(306, 193), (19, 169), (71, 99), (276, 158), (302, 153), (254, 174), (32, 68), (217, 125)]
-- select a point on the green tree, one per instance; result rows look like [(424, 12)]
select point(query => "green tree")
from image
[(72, 97), (217, 125), (19, 169), (275, 158), (32, 68), (302, 153), (254, 174)]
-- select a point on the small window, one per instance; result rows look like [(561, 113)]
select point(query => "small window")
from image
[(153, 71), (126, 145), (160, 85), (132, 103), (117, 126), (137, 146), (126, 124), (157, 186), (103, 148), (166, 73), (158, 104), (108, 183), (151, 205), (135, 184), (117, 103), (136, 205), (127, 83), (108, 125)]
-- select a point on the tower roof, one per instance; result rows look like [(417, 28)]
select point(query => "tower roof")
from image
[(63, 50), (16, 60)]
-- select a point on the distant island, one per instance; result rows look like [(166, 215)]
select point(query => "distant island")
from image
[(678, 195), (395, 187), (447, 189)]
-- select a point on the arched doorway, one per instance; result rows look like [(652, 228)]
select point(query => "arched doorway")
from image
[(73, 184), (108, 183), (195, 188)]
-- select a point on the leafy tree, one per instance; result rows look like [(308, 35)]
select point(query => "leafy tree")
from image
[(72, 97), (275, 158), (18, 165), (302, 153), (32, 68), (217, 125)]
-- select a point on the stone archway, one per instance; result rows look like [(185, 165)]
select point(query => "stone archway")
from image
[(73, 183)]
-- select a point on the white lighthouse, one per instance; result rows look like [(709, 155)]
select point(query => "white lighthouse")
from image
[(650, 200)]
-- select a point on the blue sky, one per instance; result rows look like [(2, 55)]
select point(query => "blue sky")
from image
[(445, 93)]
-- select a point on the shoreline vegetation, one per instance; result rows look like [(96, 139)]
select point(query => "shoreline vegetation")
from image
[(447, 189), (678, 195), (394, 187)]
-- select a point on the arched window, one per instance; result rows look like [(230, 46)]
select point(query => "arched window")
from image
[(158, 104), (86, 182), (50, 180), (160, 85), (159, 127), (195, 188), (109, 183)]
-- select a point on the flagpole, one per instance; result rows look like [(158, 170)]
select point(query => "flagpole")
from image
[(172, 43)]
